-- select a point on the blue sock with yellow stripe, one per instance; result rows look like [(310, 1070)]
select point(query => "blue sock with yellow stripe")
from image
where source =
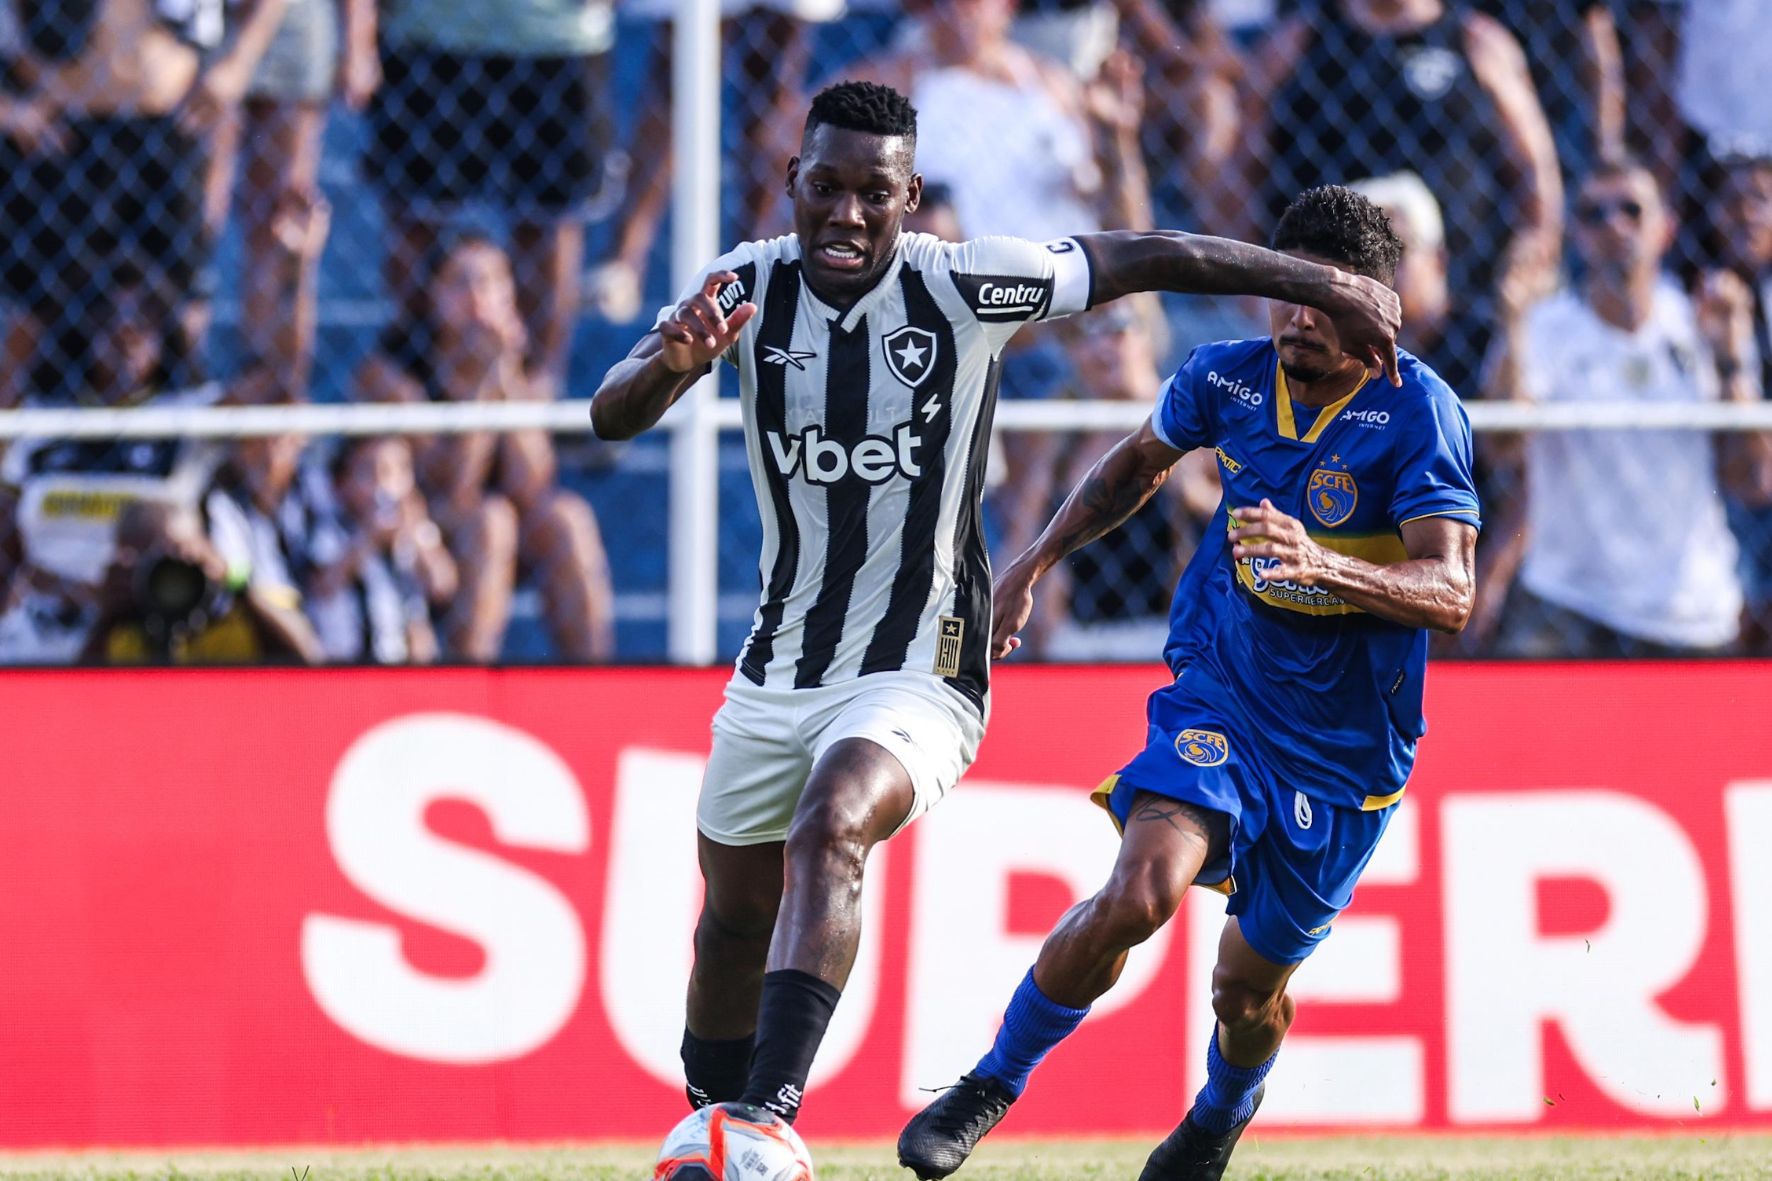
[(1228, 1098), (1032, 1025)]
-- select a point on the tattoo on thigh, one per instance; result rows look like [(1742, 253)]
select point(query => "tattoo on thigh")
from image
[(1172, 813)]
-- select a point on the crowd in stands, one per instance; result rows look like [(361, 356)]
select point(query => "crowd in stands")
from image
[(1583, 187)]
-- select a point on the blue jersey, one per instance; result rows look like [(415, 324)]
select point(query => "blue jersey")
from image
[(1330, 694)]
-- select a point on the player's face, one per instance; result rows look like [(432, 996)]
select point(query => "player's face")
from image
[(1306, 339), (851, 190)]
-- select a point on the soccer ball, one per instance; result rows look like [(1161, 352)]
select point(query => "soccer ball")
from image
[(733, 1142)]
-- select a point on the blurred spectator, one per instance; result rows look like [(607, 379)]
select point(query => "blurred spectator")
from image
[(272, 515), (1368, 87), (1627, 552), (1577, 65), (1743, 222), (1422, 282), (169, 598), (494, 495), (1725, 46), (770, 48), (273, 139), (62, 498), (1078, 34), (1743, 219), (501, 102), (102, 161), (1024, 148), (374, 604), (1191, 127)]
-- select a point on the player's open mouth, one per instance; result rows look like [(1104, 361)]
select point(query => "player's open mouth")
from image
[(842, 256)]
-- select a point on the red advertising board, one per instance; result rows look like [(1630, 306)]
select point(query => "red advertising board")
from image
[(250, 907)]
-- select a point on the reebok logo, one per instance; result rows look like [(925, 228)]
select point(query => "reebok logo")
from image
[(1242, 392), (874, 459)]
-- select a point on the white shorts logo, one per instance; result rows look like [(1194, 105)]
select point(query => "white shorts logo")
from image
[(1301, 809)]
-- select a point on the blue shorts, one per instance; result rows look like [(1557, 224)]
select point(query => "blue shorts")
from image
[(1291, 862)]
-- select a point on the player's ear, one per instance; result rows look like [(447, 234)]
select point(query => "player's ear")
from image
[(793, 173), (914, 193)]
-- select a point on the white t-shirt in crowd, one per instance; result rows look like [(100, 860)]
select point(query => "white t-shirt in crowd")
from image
[(1724, 48), (1627, 527)]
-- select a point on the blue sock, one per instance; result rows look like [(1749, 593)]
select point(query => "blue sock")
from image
[(1228, 1098), (1032, 1025)]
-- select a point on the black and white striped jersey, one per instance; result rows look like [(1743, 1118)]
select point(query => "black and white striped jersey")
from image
[(867, 431)]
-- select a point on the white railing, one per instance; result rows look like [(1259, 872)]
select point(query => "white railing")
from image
[(722, 414), (693, 600)]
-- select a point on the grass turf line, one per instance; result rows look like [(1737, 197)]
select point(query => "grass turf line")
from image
[(1721, 1157)]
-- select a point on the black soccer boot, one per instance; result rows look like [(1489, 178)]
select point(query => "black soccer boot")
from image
[(941, 1136), (1190, 1153)]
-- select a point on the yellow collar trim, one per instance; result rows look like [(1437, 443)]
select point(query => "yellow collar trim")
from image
[(1283, 406)]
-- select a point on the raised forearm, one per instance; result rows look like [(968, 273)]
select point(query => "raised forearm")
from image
[(635, 394), (1125, 261), (1422, 592)]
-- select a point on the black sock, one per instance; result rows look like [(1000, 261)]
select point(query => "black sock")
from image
[(715, 1071), (791, 1022)]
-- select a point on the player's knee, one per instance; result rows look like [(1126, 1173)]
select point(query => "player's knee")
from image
[(1135, 905), (1240, 1005), (828, 840), (747, 917)]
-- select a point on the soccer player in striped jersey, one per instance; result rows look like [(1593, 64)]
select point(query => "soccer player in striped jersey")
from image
[(867, 361), (1298, 642)]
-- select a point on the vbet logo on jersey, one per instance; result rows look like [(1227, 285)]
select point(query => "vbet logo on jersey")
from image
[(874, 459)]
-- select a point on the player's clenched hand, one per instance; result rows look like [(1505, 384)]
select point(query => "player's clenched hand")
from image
[(1367, 316), (698, 331), (1280, 542), (1012, 601)]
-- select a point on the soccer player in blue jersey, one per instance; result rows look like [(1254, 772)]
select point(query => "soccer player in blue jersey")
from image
[(1298, 639)]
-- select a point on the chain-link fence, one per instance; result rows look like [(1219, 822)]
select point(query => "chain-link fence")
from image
[(462, 201)]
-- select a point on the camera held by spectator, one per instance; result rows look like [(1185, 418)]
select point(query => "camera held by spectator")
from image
[(170, 598)]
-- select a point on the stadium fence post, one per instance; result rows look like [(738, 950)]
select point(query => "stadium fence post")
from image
[(695, 440)]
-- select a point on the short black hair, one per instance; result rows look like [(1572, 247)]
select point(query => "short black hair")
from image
[(863, 106), (1333, 222)]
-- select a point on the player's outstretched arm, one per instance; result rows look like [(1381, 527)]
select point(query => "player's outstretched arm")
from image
[(1435, 587), (1366, 313), (1115, 488), (668, 360)]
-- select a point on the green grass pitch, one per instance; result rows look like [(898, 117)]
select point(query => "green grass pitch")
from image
[(1390, 1158)]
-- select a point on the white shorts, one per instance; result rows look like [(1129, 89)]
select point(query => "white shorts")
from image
[(766, 742)]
